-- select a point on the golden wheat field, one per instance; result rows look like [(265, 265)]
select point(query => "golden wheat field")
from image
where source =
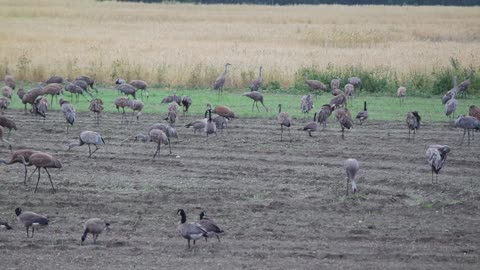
[(186, 44)]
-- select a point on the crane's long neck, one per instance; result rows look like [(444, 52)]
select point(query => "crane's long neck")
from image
[(260, 72), (225, 72)]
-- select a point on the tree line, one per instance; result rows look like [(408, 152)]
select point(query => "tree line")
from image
[(315, 2)]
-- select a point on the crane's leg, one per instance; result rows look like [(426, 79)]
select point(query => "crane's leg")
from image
[(256, 103), (348, 181), (37, 182), (188, 243), (32, 172), (253, 105), (432, 175), (158, 150), (169, 147), (464, 131), (468, 130), (266, 109), (218, 238), (50, 178), (89, 151), (96, 148), (27, 232), (33, 231), (25, 181), (281, 133), (310, 133), (290, 134)]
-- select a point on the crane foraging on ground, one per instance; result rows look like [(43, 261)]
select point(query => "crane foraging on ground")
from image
[(96, 106), (15, 158), (89, 137), (256, 97), (68, 112), (413, 122), (345, 119), (42, 160), (284, 120), (351, 167)]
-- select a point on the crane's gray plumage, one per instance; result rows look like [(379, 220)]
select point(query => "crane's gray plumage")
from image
[(54, 79), (413, 122), (220, 81), (4, 103), (53, 89), (68, 112), (30, 96), (306, 103), (30, 219), (10, 81), (436, 157), (338, 101), (89, 137), (401, 93), (42, 160), (40, 106), (158, 136), (95, 226), (468, 123), (96, 106), (449, 95), (284, 120), (451, 107), (349, 88), (344, 118), (140, 85), (7, 92), (186, 103), (126, 89), (315, 85), (20, 156), (324, 113), (189, 231), (335, 83), (351, 167), (172, 98), (256, 97), (355, 81), (257, 84)]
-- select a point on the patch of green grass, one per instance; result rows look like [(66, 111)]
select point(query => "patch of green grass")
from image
[(385, 108)]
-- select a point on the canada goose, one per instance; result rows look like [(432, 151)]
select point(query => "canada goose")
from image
[(95, 226), (210, 226), (189, 231), (312, 126), (210, 127), (30, 219), (4, 224)]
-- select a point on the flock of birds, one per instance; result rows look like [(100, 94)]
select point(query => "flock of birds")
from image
[(161, 133)]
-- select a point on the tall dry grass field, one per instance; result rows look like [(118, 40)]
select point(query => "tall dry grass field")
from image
[(182, 44)]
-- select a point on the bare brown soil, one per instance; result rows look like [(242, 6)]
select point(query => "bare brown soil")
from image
[(282, 204)]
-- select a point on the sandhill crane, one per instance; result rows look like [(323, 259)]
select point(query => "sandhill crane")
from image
[(126, 89), (68, 112), (4, 103), (121, 102), (220, 81), (2, 139), (413, 122), (209, 226), (170, 131), (467, 123), (15, 158), (210, 127), (30, 219), (186, 103), (7, 92), (32, 95), (284, 120), (10, 81), (401, 94), (351, 167), (335, 84), (140, 85), (257, 84), (324, 113), (436, 157), (158, 136), (96, 106), (363, 115), (336, 92), (136, 106), (451, 107), (306, 103), (75, 89), (20, 93), (53, 89), (172, 113), (338, 101), (463, 86), (189, 231), (7, 123), (42, 160), (220, 122), (349, 88), (54, 79), (40, 107), (312, 126), (355, 81), (89, 80), (315, 85), (474, 111), (89, 137), (256, 97), (172, 98), (449, 95), (95, 226), (344, 118), (83, 84)]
